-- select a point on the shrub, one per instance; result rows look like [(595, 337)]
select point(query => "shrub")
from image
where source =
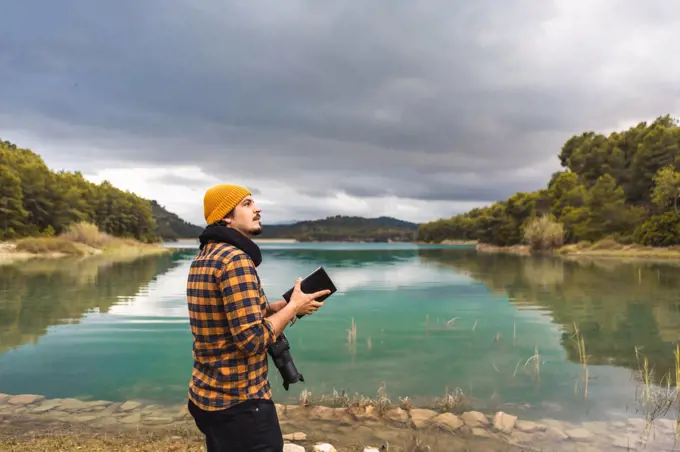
[(544, 233), (659, 230), (87, 234)]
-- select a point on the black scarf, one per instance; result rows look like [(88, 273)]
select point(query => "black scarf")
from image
[(224, 234)]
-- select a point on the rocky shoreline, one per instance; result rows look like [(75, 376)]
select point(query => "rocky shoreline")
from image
[(355, 428)]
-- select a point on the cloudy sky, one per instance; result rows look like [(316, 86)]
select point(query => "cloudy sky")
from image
[(417, 110)]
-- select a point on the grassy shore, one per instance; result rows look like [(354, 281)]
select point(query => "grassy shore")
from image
[(604, 248), (80, 240)]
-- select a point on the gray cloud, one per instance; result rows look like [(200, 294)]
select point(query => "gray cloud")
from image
[(447, 100)]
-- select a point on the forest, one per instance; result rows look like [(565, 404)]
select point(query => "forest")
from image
[(622, 187), (344, 228), (37, 201)]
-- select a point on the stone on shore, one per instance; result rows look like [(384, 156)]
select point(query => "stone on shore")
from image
[(71, 404), (544, 434), (504, 422), (157, 420), (25, 399), (47, 405), (578, 434), (129, 405), (297, 436), (448, 421), (366, 413), (420, 417), (474, 419), (322, 413), (134, 418), (529, 427), (397, 415), (481, 432)]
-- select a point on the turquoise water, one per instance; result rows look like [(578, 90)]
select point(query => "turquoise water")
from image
[(428, 318)]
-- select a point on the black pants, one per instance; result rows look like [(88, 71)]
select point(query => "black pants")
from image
[(249, 426)]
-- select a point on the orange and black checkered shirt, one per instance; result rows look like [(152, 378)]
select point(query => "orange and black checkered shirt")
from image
[(226, 311)]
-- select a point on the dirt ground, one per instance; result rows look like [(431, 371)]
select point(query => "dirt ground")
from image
[(18, 435)]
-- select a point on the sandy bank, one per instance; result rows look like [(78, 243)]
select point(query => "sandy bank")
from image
[(32, 422), (599, 250), (10, 254)]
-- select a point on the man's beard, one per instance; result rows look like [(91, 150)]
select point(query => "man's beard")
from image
[(257, 230)]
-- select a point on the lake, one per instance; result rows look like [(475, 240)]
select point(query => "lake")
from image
[(497, 329)]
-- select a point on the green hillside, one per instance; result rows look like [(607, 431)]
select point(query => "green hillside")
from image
[(622, 186), (170, 227), (37, 201), (346, 229)]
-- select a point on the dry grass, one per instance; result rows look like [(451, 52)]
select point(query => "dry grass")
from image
[(544, 234), (608, 247), (521, 250), (305, 398), (49, 245), (102, 442), (542, 239), (455, 401), (87, 234), (408, 441), (82, 239)]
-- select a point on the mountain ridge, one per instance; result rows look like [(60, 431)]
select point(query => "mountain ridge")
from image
[(333, 228), (345, 228)]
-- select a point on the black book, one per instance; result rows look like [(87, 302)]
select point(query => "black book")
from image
[(314, 282)]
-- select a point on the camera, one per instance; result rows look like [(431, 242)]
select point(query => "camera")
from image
[(280, 353), (280, 350)]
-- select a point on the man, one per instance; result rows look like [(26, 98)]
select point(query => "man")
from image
[(233, 325)]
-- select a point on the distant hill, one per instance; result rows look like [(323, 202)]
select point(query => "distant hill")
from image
[(344, 228), (170, 227)]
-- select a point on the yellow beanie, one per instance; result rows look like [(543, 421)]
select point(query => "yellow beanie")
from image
[(220, 199)]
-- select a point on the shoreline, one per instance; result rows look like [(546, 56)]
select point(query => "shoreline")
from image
[(577, 251), (30, 418), (9, 254), (293, 240)]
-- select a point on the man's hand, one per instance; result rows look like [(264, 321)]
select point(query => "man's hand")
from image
[(305, 303), (300, 303)]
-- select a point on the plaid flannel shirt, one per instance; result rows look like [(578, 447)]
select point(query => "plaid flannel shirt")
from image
[(231, 335)]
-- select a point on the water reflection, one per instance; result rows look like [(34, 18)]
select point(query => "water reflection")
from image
[(427, 318), (38, 294), (620, 307)]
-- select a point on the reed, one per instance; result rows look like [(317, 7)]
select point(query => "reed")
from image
[(352, 333), (535, 369), (383, 403), (677, 388), (336, 399), (583, 359), (452, 401), (305, 398), (657, 400)]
